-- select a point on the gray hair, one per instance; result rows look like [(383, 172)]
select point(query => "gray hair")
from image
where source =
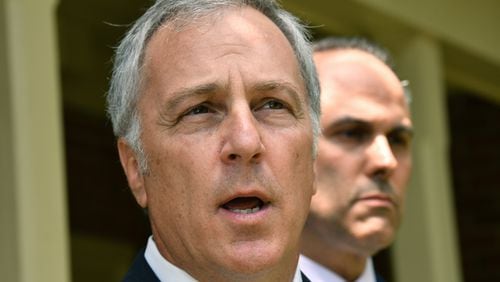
[(129, 59), (361, 44)]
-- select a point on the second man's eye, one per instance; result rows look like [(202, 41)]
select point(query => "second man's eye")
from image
[(355, 134), (399, 139)]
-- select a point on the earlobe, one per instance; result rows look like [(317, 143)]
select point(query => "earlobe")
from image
[(135, 178)]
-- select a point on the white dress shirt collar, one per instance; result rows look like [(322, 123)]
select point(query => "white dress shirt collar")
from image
[(166, 271), (319, 273)]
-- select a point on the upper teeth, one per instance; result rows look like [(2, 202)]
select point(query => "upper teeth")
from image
[(246, 211)]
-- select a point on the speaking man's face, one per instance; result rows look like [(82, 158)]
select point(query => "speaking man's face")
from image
[(227, 133)]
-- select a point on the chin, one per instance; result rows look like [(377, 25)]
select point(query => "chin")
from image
[(255, 259), (377, 241), (375, 237)]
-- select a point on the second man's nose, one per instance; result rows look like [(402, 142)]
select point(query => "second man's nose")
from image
[(381, 159)]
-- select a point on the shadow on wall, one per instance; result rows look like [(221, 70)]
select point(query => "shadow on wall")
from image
[(107, 226)]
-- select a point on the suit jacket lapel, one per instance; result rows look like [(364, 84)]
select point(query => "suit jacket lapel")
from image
[(304, 277), (140, 271)]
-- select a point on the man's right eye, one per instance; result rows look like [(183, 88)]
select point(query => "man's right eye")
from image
[(197, 113), (197, 110), (273, 105)]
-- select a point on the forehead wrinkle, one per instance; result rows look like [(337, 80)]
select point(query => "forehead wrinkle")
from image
[(232, 51)]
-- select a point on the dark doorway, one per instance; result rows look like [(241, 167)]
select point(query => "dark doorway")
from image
[(475, 161)]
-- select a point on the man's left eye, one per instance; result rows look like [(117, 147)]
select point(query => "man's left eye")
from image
[(200, 109), (273, 105), (399, 139)]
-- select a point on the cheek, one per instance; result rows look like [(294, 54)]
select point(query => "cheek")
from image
[(177, 193), (332, 157), (322, 204), (403, 173), (401, 180), (293, 165), (330, 169), (325, 160), (174, 152), (291, 146), (336, 182), (175, 167), (330, 193)]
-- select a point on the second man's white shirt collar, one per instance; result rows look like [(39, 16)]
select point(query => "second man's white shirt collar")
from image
[(319, 273)]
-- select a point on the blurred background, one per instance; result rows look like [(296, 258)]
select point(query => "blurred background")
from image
[(65, 209)]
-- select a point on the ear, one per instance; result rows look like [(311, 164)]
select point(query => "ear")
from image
[(135, 178)]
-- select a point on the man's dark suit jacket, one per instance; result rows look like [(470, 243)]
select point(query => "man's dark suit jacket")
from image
[(378, 278), (142, 272)]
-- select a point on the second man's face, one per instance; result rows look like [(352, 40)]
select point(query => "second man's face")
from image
[(227, 132), (364, 154)]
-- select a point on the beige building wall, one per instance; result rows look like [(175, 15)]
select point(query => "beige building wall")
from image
[(427, 249), (34, 229)]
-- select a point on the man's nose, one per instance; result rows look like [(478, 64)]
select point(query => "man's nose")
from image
[(242, 137), (381, 160)]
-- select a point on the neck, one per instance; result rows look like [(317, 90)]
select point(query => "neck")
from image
[(283, 271), (281, 275), (338, 257)]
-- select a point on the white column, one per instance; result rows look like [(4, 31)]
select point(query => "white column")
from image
[(426, 248), (33, 228)]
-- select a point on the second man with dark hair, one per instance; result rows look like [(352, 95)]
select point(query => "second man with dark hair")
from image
[(363, 165)]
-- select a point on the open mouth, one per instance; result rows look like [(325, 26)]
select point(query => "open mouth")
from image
[(244, 205)]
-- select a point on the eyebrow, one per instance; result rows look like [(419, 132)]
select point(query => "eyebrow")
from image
[(186, 93), (349, 120), (403, 129), (211, 88)]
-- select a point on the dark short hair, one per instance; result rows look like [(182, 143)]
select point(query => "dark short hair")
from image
[(357, 43)]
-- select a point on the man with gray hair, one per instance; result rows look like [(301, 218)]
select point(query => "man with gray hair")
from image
[(215, 104), (363, 163)]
